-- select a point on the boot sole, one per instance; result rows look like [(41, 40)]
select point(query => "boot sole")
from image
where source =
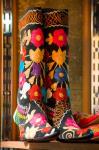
[(75, 140), (41, 140)]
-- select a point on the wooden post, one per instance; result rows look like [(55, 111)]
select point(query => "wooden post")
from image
[(14, 58), (1, 67), (86, 55)]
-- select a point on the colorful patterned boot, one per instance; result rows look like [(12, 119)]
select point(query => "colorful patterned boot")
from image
[(29, 116), (58, 107)]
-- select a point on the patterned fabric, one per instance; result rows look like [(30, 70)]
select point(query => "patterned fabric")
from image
[(56, 17), (29, 116), (31, 16), (84, 119), (95, 129), (57, 57), (58, 103), (69, 130)]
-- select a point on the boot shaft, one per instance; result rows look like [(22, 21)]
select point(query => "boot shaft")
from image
[(31, 68), (57, 59)]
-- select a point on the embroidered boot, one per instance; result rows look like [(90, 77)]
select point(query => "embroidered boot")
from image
[(29, 115), (58, 105)]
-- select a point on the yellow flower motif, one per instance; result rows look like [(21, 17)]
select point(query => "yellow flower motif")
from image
[(59, 57), (54, 86), (50, 39), (38, 37), (50, 65), (37, 55), (51, 74), (60, 38)]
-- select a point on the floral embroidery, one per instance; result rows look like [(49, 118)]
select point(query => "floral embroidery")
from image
[(23, 110), (38, 120), (51, 132), (23, 52), (35, 93), (60, 94), (26, 37), (36, 69), (50, 65), (60, 75), (51, 74), (71, 122), (27, 72), (59, 57), (30, 115), (25, 88), (54, 86), (21, 67), (31, 80), (22, 130), (49, 39), (37, 37), (37, 55), (27, 63), (31, 85), (46, 130), (30, 133), (22, 79), (84, 131), (59, 38)]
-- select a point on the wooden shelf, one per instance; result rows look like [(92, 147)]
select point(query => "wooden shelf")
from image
[(54, 145)]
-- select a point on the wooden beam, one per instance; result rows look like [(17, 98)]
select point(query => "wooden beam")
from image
[(54, 145), (86, 56)]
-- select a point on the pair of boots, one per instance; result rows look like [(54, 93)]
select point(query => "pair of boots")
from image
[(43, 103)]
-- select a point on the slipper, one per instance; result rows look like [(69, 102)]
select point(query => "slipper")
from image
[(85, 120)]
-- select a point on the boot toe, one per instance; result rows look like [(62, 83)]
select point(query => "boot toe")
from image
[(75, 135), (40, 135)]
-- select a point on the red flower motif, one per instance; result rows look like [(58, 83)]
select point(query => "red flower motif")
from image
[(60, 94), (23, 53), (37, 37), (35, 93), (60, 37), (46, 130)]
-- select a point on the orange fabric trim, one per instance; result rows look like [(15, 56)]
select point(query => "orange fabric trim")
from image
[(30, 17)]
